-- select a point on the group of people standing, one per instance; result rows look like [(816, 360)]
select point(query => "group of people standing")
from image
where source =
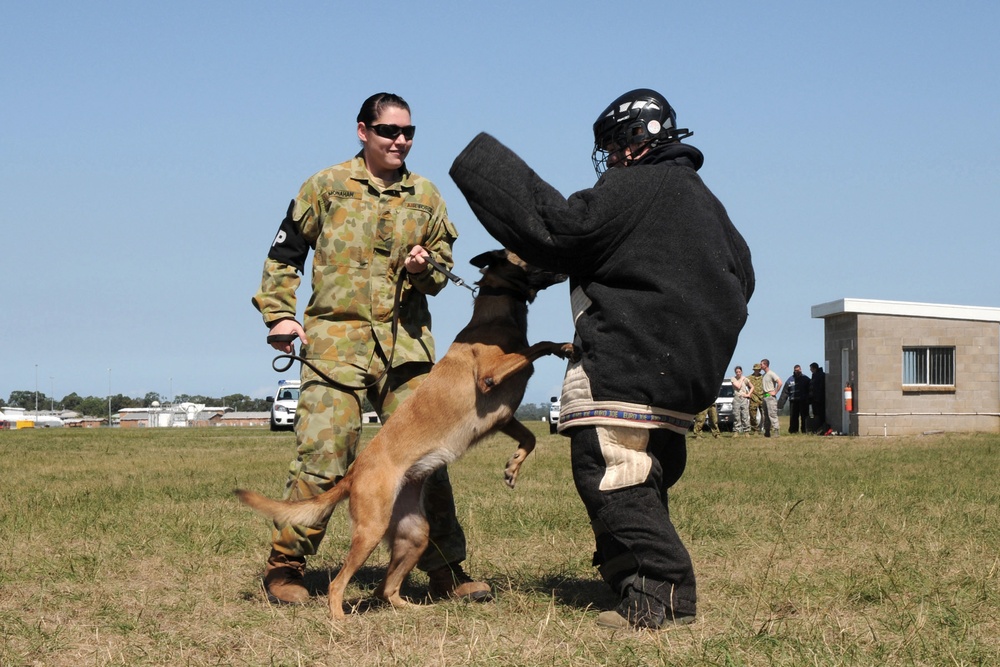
[(758, 397)]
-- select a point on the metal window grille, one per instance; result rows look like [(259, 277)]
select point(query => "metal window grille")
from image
[(929, 366)]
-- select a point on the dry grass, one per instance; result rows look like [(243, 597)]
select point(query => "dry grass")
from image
[(126, 548)]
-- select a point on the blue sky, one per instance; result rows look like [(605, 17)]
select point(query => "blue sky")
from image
[(149, 151)]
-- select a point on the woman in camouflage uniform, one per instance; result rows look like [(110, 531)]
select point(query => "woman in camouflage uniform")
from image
[(367, 221)]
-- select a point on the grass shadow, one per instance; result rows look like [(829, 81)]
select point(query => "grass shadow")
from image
[(577, 592), (574, 591), (367, 578)]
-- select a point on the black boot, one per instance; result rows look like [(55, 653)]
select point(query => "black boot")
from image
[(642, 611)]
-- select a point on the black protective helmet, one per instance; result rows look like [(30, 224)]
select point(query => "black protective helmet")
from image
[(637, 118)]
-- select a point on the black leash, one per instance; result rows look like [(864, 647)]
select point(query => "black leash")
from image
[(289, 338), (452, 277)]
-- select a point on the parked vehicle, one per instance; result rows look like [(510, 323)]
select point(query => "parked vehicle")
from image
[(724, 406), (283, 405), (553, 414)]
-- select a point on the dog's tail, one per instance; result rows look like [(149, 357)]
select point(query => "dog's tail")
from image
[(309, 512)]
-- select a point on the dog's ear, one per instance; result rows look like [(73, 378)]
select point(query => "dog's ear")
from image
[(482, 260)]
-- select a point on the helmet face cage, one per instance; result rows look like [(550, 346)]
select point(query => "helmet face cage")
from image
[(609, 149), (635, 120)]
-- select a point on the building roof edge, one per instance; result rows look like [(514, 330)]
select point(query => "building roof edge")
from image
[(905, 308)]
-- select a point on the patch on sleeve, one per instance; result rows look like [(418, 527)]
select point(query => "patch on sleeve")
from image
[(289, 246), (625, 456)]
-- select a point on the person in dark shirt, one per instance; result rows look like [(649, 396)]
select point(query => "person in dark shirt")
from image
[(796, 393), (659, 281)]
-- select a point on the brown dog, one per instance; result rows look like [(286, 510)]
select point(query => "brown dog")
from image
[(469, 394)]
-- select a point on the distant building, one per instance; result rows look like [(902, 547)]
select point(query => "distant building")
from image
[(85, 422), (244, 419), (10, 416), (179, 415), (15, 418), (135, 418), (912, 367)]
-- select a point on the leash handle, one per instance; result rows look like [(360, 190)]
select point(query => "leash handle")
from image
[(282, 338), (291, 360)]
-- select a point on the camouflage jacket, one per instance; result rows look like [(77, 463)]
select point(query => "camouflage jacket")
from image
[(758, 389), (360, 237)]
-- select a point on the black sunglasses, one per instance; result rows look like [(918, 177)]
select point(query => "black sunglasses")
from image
[(393, 131)]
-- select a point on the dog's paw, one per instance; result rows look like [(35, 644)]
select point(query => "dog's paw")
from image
[(513, 467), (570, 352)]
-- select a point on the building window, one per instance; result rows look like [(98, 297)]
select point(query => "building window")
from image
[(929, 366)]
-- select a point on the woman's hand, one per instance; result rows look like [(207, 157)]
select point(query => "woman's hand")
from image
[(416, 261), (285, 328)]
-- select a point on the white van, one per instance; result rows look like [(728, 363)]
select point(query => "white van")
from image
[(283, 405), (553, 414)]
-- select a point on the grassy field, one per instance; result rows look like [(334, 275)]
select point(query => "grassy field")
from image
[(126, 547)]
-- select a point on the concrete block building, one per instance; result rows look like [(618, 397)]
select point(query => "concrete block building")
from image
[(912, 367)]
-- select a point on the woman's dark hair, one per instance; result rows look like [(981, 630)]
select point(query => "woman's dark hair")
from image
[(377, 103)]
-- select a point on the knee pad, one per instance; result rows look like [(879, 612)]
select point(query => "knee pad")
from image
[(625, 455)]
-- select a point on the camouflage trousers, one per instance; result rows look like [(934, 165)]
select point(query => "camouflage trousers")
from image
[(755, 421), (741, 414), (712, 414), (328, 433)]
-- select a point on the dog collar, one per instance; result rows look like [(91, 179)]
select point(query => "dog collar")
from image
[(488, 290)]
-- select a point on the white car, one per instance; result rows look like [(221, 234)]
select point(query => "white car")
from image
[(553, 414), (283, 405), (724, 406)]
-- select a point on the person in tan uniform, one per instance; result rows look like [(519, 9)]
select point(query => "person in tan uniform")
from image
[(771, 384), (742, 390)]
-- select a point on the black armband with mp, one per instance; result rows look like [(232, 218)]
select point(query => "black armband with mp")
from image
[(289, 246)]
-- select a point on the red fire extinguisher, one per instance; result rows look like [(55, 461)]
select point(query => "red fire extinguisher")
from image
[(848, 398)]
